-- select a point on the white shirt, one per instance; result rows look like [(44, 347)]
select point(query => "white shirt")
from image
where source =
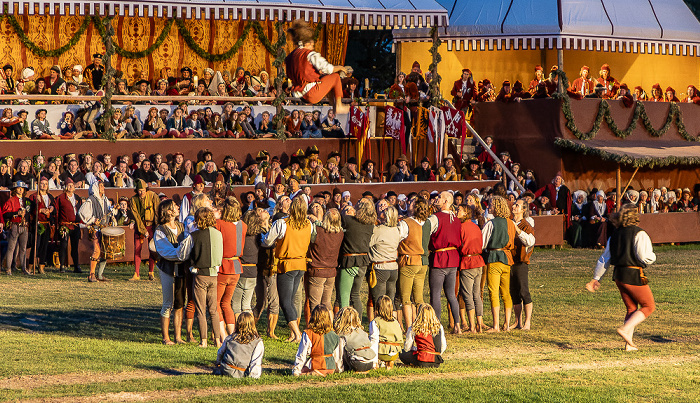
[(643, 249), (323, 67)]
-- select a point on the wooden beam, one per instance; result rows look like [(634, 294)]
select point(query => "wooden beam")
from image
[(618, 185), (630, 181)]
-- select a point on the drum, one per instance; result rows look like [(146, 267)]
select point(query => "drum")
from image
[(113, 243)]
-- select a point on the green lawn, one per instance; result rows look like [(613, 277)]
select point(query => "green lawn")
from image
[(61, 337)]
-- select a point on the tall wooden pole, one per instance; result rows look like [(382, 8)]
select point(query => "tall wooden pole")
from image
[(618, 186)]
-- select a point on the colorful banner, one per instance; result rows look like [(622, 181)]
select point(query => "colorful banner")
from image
[(455, 123), (359, 129), (394, 126)]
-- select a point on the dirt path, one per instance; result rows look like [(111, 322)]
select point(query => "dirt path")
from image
[(319, 383)]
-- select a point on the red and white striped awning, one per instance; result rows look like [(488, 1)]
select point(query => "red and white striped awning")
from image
[(366, 14), (665, 27)]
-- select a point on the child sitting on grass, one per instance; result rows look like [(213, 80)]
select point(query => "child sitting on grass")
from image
[(385, 333), (242, 352), (425, 340), (358, 354), (320, 351)]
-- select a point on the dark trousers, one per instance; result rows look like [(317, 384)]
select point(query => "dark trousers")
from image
[(519, 287), (287, 285), (42, 245), (386, 285), (443, 279), (73, 237)]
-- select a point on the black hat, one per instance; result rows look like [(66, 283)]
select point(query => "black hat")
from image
[(474, 161), (97, 56), (186, 69), (140, 82), (7, 67), (21, 111), (56, 69), (391, 193), (352, 160), (39, 110), (312, 151), (367, 193), (425, 159)]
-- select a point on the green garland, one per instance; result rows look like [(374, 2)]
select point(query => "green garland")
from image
[(138, 54), (674, 116), (278, 63), (36, 49), (106, 118), (649, 162), (210, 57), (435, 94)]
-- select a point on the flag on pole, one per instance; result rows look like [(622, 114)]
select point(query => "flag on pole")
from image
[(436, 131), (359, 129), (455, 123), (394, 126)]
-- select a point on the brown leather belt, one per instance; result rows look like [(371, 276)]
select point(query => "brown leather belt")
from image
[(354, 254), (385, 262), (473, 254), (362, 348), (644, 278), (501, 249), (391, 343)]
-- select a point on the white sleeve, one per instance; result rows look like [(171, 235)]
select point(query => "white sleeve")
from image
[(603, 263), (164, 248), (184, 209), (408, 344), (643, 248), (486, 233), (443, 341), (528, 240), (320, 63), (338, 355), (433, 223), (403, 230), (374, 337), (277, 231), (184, 250), (255, 366), (303, 352), (85, 213)]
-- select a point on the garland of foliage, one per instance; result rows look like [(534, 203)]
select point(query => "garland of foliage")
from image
[(106, 101), (36, 49), (435, 79), (649, 162), (278, 63), (138, 54), (674, 116), (182, 29)]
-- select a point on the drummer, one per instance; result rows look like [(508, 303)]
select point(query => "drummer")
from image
[(96, 213)]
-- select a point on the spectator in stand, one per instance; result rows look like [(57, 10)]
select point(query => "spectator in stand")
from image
[(692, 95), (116, 124), (349, 174), (582, 85), (165, 178), (146, 174), (247, 130), (598, 220), (265, 128), (121, 177), (96, 175), (368, 173), (133, 126), (482, 155), (611, 85), (293, 124), (472, 171), (519, 93), (177, 126), (194, 126), (209, 172), (504, 95), (447, 172), (331, 127), (423, 172), (639, 94), (309, 128), (464, 92), (657, 94), (671, 95), (403, 174), (41, 128), (539, 79), (74, 174), (23, 173)]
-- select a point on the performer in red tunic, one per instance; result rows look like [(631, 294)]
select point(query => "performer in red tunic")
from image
[(463, 91), (539, 78), (313, 77), (583, 85), (611, 85)]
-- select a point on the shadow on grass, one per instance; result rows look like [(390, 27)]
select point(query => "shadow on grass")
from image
[(125, 324)]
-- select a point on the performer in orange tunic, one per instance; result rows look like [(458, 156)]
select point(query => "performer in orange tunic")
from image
[(313, 77)]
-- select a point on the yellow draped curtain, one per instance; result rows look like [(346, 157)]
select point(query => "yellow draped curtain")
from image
[(137, 33)]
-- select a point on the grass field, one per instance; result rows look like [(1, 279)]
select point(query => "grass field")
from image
[(63, 339)]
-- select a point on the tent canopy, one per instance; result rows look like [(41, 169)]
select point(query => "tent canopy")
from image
[(623, 25), (389, 14)]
